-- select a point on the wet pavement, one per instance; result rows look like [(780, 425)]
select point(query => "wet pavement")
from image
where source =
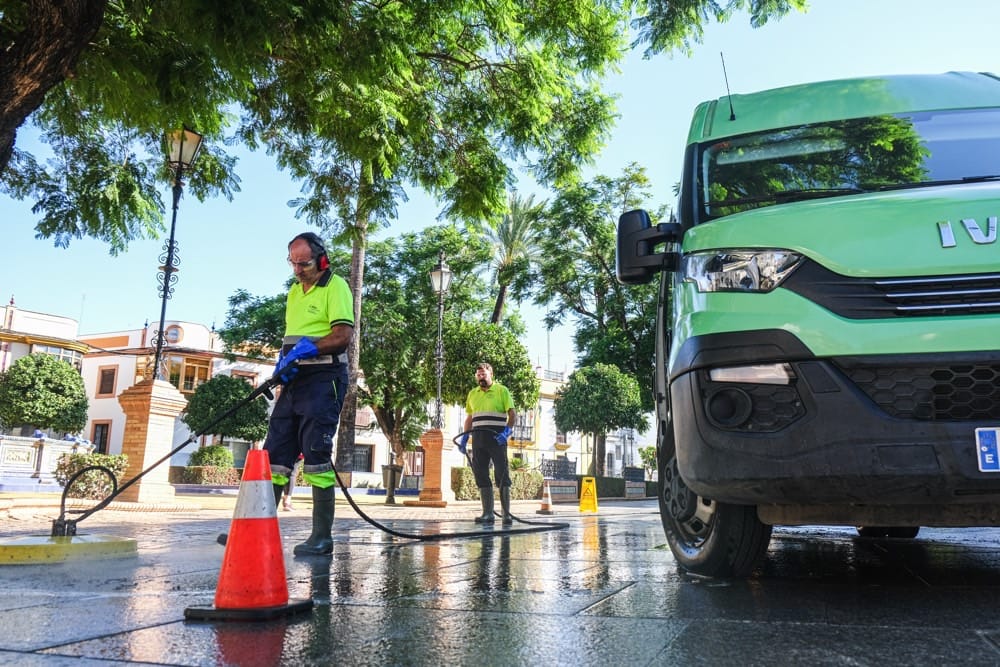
[(602, 591)]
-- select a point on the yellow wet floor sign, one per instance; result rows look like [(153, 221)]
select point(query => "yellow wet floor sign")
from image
[(588, 495)]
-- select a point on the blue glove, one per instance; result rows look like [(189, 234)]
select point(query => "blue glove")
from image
[(463, 442), (304, 349), (503, 435)]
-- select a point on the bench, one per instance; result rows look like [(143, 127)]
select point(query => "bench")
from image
[(563, 490)]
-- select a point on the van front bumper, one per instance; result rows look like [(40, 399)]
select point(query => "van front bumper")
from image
[(887, 430)]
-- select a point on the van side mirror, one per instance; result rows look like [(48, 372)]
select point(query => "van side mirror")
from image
[(635, 259)]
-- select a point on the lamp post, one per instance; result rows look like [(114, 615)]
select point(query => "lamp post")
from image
[(183, 145), (440, 282)]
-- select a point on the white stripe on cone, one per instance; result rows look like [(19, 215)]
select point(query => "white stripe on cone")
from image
[(256, 501)]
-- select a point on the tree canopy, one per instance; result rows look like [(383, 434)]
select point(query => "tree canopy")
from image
[(598, 399), (40, 390), (354, 98), (575, 276), (212, 398)]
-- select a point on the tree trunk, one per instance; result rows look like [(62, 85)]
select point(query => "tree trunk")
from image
[(600, 449), (498, 306), (348, 415), (40, 57)]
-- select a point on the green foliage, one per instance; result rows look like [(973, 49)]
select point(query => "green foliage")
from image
[(517, 463), (355, 99), (648, 456), (525, 484), (575, 276), (254, 325), (40, 390), (213, 398), (677, 25), (598, 399), (94, 484), (469, 343), (210, 475), (218, 456)]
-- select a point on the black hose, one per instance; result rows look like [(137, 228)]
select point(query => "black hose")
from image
[(538, 526), (63, 527)]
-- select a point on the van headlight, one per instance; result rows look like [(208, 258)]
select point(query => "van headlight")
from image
[(739, 270)]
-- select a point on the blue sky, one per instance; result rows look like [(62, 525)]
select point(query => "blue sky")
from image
[(225, 246)]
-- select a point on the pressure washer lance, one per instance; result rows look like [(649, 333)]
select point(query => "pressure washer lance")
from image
[(535, 526), (63, 527)]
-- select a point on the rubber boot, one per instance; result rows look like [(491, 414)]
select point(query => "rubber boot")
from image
[(508, 519), (486, 497), (320, 543)]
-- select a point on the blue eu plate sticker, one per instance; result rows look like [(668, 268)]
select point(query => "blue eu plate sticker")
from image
[(986, 447)]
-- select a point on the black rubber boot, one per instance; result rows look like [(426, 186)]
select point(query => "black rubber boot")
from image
[(320, 543), (486, 497), (508, 519)]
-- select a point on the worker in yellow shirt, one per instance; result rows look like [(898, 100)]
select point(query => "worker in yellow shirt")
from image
[(319, 325), (489, 417)]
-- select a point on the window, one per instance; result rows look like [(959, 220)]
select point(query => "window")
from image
[(414, 462), (71, 357), (524, 426), (187, 373), (107, 377), (249, 378), (362, 458), (100, 436)]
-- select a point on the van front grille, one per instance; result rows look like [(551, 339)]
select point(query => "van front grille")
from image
[(875, 298), (957, 392)]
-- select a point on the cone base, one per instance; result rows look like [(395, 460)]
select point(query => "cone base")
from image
[(544, 512), (294, 606)]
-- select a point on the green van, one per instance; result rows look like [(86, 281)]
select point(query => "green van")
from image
[(828, 336)]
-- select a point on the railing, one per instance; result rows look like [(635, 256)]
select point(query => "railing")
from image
[(559, 468), (35, 458)]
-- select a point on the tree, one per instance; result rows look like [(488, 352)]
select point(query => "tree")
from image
[(211, 399), (648, 456), (468, 343), (597, 399), (40, 390), (514, 239), (254, 325), (615, 323), (102, 81)]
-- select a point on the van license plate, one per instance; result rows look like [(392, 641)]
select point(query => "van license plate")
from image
[(986, 447)]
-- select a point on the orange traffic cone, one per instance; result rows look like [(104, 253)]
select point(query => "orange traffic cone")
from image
[(546, 507), (252, 583)]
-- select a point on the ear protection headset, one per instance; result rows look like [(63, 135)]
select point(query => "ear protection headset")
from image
[(317, 247)]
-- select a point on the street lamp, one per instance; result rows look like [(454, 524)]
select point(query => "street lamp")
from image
[(440, 282), (183, 146)]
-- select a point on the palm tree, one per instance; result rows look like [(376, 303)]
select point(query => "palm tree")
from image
[(515, 244)]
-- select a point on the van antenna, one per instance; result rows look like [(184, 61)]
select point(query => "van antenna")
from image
[(732, 113)]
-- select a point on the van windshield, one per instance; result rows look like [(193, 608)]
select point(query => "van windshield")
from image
[(847, 157)]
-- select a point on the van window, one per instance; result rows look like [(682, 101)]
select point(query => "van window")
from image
[(845, 157)]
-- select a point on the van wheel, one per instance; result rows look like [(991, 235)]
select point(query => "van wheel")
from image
[(707, 538), (902, 532)]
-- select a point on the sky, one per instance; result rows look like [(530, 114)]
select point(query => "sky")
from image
[(225, 246)]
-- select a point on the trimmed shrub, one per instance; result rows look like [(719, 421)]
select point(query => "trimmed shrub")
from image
[(94, 485), (210, 475), (213, 455), (525, 484)]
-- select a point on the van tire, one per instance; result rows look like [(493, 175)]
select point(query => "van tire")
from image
[(713, 539)]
